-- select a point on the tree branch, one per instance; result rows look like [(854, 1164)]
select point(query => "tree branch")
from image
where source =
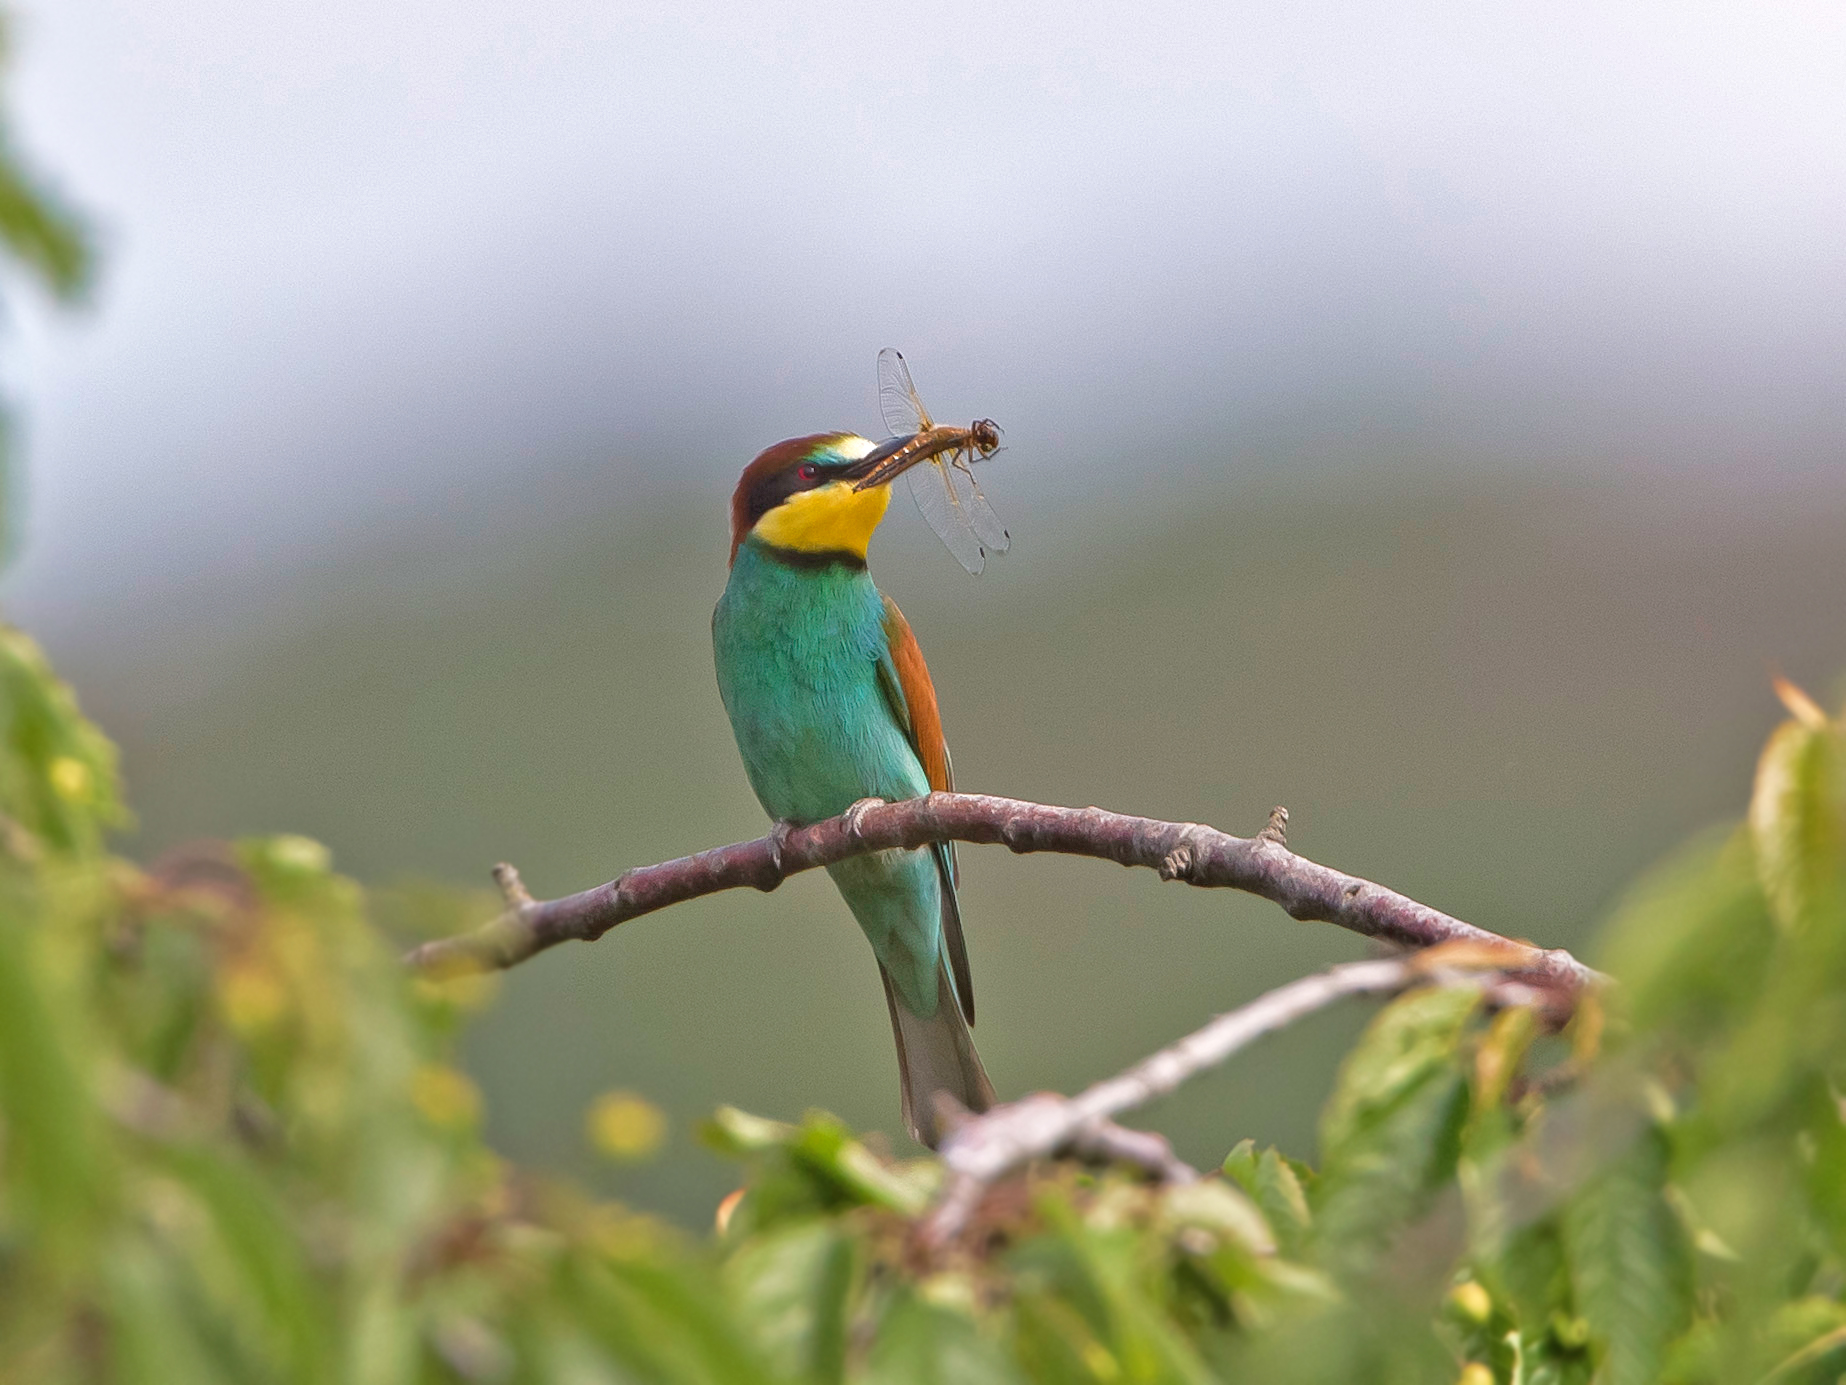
[(982, 1149), (1188, 851)]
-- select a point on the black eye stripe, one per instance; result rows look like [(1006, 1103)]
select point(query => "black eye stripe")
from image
[(771, 491)]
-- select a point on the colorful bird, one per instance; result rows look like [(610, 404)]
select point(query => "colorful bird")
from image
[(831, 702)]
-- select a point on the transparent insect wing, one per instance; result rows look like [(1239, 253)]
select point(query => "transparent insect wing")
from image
[(981, 517), (933, 488), (898, 404)]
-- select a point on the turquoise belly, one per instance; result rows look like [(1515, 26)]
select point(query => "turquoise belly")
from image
[(797, 653)]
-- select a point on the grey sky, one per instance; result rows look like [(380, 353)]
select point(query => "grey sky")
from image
[(368, 262)]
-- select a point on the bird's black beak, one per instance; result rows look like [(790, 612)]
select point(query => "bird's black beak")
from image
[(884, 463)]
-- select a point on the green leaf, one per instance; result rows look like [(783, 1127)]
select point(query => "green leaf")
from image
[(58, 789), (1115, 1280), (792, 1286), (827, 1147), (1809, 1338), (1525, 1268), (274, 1289), (1391, 1131), (1798, 824), (1825, 1173), (1272, 1183), (46, 239), (153, 1338), (1055, 1264), (665, 1321), (41, 233), (919, 1343), (1691, 941), (1499, 1055), (731, 1131), (1053, 1344), (54, 1167), (1370, 1341), (1240, 1163), (1630, 1262), (1219, 1207), (815, 1167)]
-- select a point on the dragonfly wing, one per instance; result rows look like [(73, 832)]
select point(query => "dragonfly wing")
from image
[(898, 404), (934, 492), (981, 518)]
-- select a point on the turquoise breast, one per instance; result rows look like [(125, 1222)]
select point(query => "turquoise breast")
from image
[(797, 650)]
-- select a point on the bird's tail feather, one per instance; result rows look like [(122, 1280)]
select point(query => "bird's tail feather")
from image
[(935, 1055)]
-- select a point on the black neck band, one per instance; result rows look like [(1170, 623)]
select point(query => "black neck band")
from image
[(813, 559)]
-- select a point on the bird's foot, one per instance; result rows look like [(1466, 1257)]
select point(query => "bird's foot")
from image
[(854, 817), (1185, 853), (778, 846)]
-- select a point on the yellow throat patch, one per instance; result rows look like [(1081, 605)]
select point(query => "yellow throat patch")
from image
[(833, 518)]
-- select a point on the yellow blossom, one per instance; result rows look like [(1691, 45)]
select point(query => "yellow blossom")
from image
[(71, 778), (445, 1097), (252, 997), (624, 1126), (1471, 1301)]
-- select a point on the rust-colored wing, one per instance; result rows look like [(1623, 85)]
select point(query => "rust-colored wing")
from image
[(915, 699), (912, 697)]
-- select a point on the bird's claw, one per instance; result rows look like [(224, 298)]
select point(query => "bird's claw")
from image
[(854, 817), (778, 845)]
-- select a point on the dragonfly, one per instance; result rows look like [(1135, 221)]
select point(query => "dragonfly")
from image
[(945, 489)]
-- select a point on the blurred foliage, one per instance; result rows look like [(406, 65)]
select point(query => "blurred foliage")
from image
[(44, 238), (41, 233), (233, 1147)]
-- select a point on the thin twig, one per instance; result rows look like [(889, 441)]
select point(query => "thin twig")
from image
[(1188, 851), (1108, 1143), (985, 1148), (1276, 829)]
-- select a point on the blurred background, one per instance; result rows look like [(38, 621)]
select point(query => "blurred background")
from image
[(1429, 417)]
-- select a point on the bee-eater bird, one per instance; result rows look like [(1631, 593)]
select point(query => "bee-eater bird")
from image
[(831, 703)]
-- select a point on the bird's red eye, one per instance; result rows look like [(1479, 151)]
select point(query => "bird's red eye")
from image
[(808, 471)]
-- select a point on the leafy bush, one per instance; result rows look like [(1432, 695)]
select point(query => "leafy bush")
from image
[(233, 1148)]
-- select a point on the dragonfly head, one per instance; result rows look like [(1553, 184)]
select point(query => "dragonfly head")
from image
[(984, 433), (813, 495)]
